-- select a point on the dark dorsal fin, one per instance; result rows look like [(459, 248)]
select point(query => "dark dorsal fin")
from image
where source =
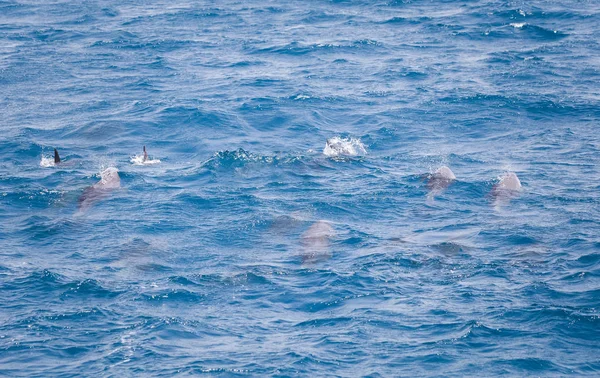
[(145, 154), (56, 157)]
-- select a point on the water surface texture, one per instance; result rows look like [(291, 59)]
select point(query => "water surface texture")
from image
[(250, 247)]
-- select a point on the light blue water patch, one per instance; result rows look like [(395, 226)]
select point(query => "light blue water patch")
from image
[(287, 221)]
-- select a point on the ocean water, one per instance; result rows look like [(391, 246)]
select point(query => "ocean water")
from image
[(247, 245)]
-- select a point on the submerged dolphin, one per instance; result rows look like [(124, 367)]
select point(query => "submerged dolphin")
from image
[(145, 154), (508, 187), (439, 181), (109, 179), (316, 241), (56, 157)]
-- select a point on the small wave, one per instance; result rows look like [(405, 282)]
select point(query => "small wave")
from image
[(236, 158), (404, 20), (139, 160), (296, 48), (301, 97), (47, 161), (240, 158), (337, 146)]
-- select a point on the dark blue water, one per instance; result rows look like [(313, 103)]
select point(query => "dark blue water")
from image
[(247, 250)]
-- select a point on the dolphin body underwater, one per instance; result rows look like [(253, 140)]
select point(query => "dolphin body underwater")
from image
[(109, 180)]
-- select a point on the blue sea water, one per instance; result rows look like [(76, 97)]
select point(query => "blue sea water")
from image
[(204, 262)]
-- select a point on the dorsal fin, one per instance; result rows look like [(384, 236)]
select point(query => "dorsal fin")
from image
[(56, 157), (145, 154)]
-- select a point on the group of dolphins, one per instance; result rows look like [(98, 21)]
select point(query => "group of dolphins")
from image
[(438, 181), (316, 239)]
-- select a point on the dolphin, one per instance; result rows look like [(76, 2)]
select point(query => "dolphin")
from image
[(109, 179), (507, 187), (316, 241), (50, 161), (438, 181), (508, 181), (143, 159), (57, 161)]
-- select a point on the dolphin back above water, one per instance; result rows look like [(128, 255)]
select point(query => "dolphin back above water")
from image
[(508, 187), (438, 181), (143, 159), (442, 177), (56, 161), (509, 181), (445, 173), (109, 179), (316, 241)]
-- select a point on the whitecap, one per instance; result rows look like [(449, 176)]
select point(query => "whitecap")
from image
[(337, 146), (139, 160), (518, 25), (302, 97)]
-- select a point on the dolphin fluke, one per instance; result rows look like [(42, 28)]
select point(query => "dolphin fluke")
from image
[(56, 157), (145, 154)]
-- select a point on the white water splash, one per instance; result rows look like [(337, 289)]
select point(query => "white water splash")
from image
[(518, 25), (139, 160), (47, 161), (337, 146)]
